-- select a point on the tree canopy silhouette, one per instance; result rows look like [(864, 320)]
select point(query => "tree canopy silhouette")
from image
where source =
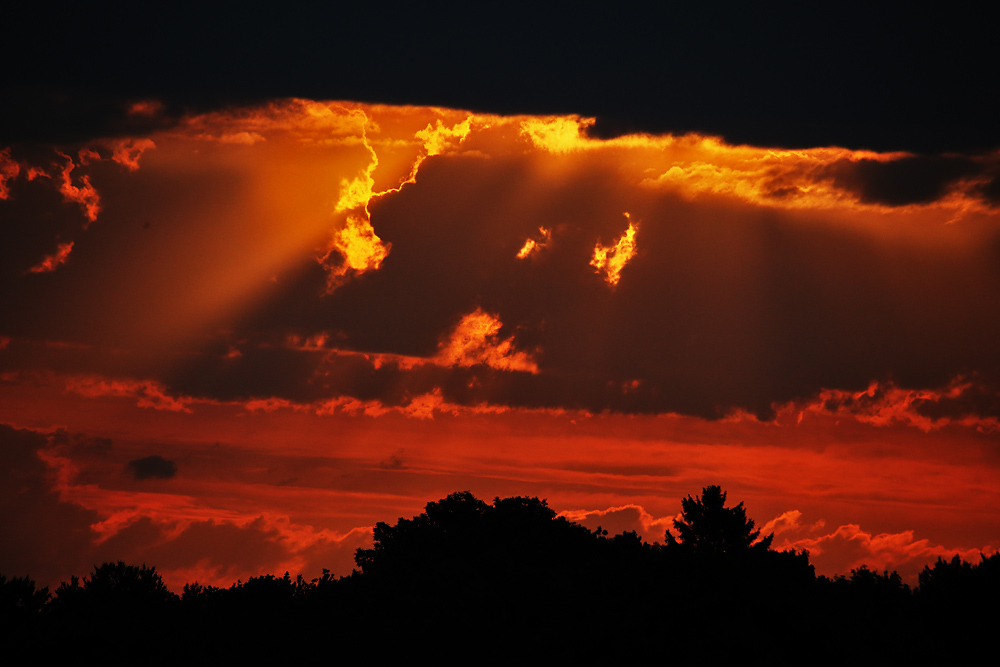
[(461, 536), (118, 584), (466, 576), (709, 529)]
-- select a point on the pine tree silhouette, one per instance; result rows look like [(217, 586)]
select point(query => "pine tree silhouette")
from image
[(709, 529)]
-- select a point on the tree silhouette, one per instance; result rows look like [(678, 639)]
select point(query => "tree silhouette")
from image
[(461, 536), (709, 529), (517, 579), (116, 588), (20, 602)]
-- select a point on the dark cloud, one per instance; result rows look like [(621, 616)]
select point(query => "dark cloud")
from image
[(908, 180), (720, 309), (974, 399), (727, 305), (394, 462), (989, 189), (858, 76), (152, 467)]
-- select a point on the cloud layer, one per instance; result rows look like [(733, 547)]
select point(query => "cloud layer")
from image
[(269, 327), (383, 254)]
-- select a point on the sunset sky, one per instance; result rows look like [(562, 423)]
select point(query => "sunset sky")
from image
[(246, 318)]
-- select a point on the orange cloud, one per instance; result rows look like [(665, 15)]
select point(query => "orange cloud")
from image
[(532, 246), (813, 178), (610, 260), (558, 134), (476, 340), (359, 247), (127, 152), (440, 137), (356, 242), (773, 286), (55, 260), (884, 404)]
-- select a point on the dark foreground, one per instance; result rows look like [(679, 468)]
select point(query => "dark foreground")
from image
[(473, 583)]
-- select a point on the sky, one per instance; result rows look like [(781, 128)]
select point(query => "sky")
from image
[(264, 287)]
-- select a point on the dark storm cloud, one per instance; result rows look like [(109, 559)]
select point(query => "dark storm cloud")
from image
[(726, 305), (976, 399), (152, 467), (909, 180), (256, 373), (723, 307), (989, 189), (303, 376), (859, 76)]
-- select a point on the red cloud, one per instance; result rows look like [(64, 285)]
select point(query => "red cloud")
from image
[(127, 152), (83, 194), (53, 261), (849, 547), (149, 394), (9, 169)]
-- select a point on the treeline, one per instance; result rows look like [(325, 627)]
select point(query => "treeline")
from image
[(478, 583)]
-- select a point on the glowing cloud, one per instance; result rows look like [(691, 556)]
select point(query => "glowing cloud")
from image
[(773, 287), (355, 193), (148, 394), (127, 152), (884, 404), (359, 246), (610, 260), (53, 261), (145, 108), (9, 169), (357, 243), (559, 134), (476, 340), (440, 137), (84, 194), (531, 246)]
